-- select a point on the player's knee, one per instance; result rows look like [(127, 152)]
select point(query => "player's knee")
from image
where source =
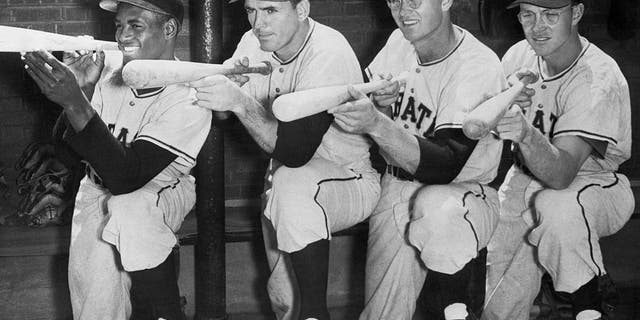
[(124, 206), (434, 201), (557, 212), (292, 180)]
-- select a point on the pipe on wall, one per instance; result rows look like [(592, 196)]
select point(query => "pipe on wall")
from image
[(206, 46)]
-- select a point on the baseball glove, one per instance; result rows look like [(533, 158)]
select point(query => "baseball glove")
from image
[(43, 182)]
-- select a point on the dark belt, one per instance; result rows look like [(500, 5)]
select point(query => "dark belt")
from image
[(399, 173)]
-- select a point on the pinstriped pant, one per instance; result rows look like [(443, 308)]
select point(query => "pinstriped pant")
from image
[(556, 231), (415, 227)]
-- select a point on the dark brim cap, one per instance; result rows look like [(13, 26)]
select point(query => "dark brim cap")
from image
[(551, 4), (172, 8)]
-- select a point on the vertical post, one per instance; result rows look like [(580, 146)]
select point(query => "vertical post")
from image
[(206, 46)]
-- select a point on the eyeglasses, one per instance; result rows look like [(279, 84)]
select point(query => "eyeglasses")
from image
[(550, 17), (395, 4)]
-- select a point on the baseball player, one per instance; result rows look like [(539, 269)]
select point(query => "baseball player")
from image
[(320, 179), (436, 210), (563, 192), (140, 146)]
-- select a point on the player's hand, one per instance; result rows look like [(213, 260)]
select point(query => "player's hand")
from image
[(240, 79), (524, 98), (219, 93), (85, 66), (358, 115), (387, 95), (54, 78), (514, 125)]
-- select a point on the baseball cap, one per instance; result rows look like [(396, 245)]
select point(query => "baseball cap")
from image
[(551, 4), (172, 8)]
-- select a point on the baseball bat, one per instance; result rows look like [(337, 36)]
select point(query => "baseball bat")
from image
[(481, 120), (300, 104), (14, 39), (157, 73)]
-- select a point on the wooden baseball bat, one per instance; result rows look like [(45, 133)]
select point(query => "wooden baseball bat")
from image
[(157, 73), (13, 39), (481, 120), (300, 104)]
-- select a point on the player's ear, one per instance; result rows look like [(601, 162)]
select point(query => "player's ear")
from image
[(302, 9), (577, 11), (170, 28), (446, 5)]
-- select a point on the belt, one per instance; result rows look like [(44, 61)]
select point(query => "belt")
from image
[(399, 173)]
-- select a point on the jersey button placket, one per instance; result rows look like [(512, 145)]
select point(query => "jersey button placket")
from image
[(131, 103)]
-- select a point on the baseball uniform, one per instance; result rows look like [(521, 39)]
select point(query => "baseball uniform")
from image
[(140, 225), (337, 188), (590, 100), (447, 223)]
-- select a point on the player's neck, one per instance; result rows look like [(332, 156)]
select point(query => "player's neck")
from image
[(295, 43), (438, 44), (560, 59)]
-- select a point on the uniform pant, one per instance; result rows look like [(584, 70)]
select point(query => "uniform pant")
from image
[(415, 227), (304, 205), (556, 231), (114, 234)]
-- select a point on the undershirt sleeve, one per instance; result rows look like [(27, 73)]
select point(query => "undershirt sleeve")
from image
[(443, 156), (298, 140), (122, 169)]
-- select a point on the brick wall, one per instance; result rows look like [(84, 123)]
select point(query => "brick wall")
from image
[(26, 116)]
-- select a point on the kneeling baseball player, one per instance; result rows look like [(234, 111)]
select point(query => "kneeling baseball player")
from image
[(139, 146)]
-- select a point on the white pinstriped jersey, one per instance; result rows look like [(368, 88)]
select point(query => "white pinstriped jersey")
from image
[(167, 117), (325, 59), (589, 99), (439, 93)]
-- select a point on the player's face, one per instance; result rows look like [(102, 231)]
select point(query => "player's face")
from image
[(417, 19), (278, 25), (546, 30), (140, 35)]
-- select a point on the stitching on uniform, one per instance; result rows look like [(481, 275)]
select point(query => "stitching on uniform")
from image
[(172, 186), (586, 222), (465, 216), (315, 198), (586, 132)]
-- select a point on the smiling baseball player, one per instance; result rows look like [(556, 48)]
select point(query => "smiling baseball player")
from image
[(435, 196), (563, 193), (320, 179), (140, 146)]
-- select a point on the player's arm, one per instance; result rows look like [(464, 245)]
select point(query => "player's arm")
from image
[(122, 169), (556, 163), (298, 140), (433, 160)]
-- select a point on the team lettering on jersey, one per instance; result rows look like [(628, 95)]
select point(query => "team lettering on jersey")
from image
[(414, 112), (122, 135), (546, 125)]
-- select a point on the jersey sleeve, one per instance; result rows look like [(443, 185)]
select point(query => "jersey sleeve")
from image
[(591, 108), (179, 125), (474, 84)]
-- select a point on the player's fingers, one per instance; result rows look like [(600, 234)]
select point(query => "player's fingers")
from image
[(245, 61), (38, 65), (355, 93), (39, 72), (529, 91), (100, 57)]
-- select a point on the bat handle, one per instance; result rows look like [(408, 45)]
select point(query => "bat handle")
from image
[(262, 68)]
